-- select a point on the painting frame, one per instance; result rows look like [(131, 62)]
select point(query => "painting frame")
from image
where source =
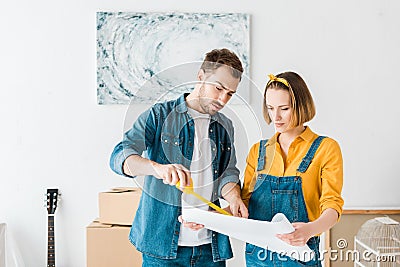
[(136, 49)]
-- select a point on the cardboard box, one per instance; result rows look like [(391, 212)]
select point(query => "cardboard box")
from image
[(109, 246), (119, 205)]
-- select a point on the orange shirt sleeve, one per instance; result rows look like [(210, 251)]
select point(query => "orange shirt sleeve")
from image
[(332, 178), (250, 173)]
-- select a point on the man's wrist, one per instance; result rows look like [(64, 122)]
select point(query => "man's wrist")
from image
[(154, 165), (231, 192)]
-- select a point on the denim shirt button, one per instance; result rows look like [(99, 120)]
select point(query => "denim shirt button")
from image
[(211, 130), (215, 171), (229, 148), (176, 232)]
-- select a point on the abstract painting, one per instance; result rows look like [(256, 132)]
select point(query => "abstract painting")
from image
[(150, 57)]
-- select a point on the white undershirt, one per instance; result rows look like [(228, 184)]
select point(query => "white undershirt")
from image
[(201, 172)]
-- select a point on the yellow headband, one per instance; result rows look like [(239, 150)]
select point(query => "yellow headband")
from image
[(273, 78)]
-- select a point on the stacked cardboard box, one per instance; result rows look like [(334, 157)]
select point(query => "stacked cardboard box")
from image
[(107, 237)]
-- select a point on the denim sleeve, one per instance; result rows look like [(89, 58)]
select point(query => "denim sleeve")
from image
[(135, 141), (231, 173)]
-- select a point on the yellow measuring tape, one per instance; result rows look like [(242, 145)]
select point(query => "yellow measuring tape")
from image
[(189, 190)]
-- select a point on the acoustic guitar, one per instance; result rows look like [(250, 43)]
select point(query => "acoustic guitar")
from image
[(52, 202)]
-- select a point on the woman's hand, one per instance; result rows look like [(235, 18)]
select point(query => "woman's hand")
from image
[(302, 233)]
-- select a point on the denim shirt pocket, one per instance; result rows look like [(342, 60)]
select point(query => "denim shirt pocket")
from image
[(224, 150), (224, 146), (171, 151)]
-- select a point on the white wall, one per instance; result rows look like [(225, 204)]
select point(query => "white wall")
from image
[(54, 134)]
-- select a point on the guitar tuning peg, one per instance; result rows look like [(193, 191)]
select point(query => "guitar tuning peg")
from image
[(59, 194)]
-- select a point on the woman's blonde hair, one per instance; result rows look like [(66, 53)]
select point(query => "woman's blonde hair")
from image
[(301, 100)]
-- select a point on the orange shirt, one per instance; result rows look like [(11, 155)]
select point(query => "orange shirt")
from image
[(321, 183)]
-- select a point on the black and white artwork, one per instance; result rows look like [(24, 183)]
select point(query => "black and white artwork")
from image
[(150, 57)]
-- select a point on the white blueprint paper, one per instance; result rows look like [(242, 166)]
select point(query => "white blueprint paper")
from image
[(259, 233)]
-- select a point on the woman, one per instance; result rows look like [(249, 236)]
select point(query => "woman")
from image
[(296, 172)]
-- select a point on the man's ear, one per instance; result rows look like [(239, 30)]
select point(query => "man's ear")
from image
[(201, 75)]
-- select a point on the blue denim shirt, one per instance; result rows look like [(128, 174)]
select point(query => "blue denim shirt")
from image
[(166, 133)]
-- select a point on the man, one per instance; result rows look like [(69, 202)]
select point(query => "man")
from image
[(186, 140)]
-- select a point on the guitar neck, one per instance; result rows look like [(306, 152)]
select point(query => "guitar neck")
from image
[(51, 257)]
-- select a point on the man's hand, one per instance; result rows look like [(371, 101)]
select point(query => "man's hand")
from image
[(238, 208), (172, 173), (231, 193), (192, 225)]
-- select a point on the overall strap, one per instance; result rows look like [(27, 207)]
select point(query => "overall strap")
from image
[(310, 154), (261, 155)]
